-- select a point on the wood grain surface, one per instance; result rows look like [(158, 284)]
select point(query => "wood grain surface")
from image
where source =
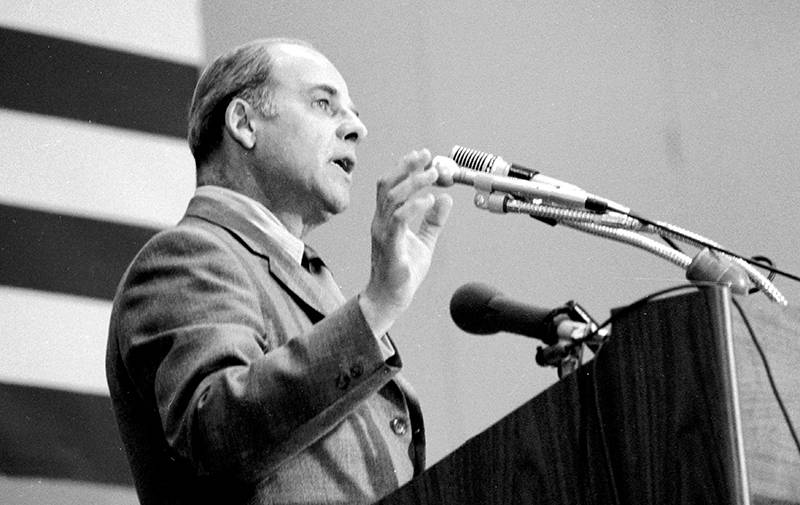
[(651, 420)]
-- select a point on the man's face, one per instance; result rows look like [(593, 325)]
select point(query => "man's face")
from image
[(305, 151)]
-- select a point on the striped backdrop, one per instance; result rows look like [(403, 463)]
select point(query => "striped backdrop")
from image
[(93, 161)]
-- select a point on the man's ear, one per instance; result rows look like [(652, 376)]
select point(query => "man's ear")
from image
[(239, 116)]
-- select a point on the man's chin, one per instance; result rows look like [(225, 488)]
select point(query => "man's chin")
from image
[(338, 203), (332, 208), (339, 207)]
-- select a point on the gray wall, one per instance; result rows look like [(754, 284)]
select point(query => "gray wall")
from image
[(688, 112)]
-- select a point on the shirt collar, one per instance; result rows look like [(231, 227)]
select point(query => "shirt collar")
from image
[(259, 215)]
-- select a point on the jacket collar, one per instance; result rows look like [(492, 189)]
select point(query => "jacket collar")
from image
[(284, 268)]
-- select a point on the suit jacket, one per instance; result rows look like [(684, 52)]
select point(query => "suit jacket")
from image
[(236, 377)]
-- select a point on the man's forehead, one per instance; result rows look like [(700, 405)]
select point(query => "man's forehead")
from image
[(298, 65), (294, 50)]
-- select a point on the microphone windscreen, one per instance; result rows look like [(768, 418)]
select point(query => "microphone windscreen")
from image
[(474, 159), (482, 309), (470, 308)]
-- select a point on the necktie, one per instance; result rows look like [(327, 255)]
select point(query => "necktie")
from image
[(313, 263)]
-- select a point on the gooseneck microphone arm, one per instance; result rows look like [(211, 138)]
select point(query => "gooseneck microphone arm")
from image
[(504, 187), (625, 230)]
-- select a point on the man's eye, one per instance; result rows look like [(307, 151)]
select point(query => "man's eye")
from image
[(323, 103)]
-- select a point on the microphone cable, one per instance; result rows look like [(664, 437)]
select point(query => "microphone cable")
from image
[(768, 369), (595, 383)]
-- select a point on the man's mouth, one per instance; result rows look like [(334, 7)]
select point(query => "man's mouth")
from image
[(345, 163)]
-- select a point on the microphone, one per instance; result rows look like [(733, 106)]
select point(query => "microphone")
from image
[(450, 173), (481, 309), (493, 164), (488, 163)]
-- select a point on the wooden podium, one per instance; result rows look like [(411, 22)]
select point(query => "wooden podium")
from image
[(675, 409)]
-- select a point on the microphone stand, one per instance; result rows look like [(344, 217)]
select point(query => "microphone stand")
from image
[(625, 228), (566, 353)]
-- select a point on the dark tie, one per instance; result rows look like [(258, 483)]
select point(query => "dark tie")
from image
[(313, 263)]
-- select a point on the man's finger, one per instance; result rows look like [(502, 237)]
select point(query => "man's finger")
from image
[(415, 161), (409, 186), (414, 207), (435, 219)]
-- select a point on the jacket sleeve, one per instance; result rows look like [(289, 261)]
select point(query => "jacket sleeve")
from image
[(232, 396)]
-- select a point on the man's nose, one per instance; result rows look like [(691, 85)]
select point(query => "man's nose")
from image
[(352, 128)]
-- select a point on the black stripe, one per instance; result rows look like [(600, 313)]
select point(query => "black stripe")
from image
[(60, 434), (57, 77), (66, 254)]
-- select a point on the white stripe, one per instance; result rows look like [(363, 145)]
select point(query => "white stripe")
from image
[(35, 491), (170, 30), (78, 168), (53, 340)]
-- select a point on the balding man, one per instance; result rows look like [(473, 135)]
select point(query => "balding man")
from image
[(238, 371)]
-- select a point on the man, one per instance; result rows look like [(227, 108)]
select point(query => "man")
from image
[(238, 372)]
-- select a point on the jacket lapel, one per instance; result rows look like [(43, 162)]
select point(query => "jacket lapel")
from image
[(303, 285), (285, 269)]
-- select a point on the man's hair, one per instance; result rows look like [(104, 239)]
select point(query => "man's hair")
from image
[(244, 72)]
